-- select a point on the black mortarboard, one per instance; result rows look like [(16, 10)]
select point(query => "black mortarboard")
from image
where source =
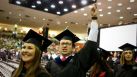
[(67, 34), (104, 53), (127, 46), (38, 40)]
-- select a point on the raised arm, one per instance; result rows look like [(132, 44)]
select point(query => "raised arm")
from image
[(88, 55)]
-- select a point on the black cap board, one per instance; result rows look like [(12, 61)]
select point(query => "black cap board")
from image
[(127, 46), (104, 53), (36, 39), (67, 34)]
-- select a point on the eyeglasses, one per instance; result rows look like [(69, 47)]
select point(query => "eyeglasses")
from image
[(66, 43)]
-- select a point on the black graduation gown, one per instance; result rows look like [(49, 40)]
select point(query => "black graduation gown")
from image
[(41, 72), (78, 65), (126, 71)]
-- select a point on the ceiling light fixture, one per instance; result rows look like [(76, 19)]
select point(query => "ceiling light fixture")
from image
[(99, 9), (128, 8), (38, 2), (46, 9), (43, 19), (33, 6), (58, 12), (65, 9), (73, 6), (84, 2), (76, 22), (135, 14), (75, 11), (121, 17), (119, 4), (90, 6), (82, 9), (34, 17), (99, 3), (109, 0), (53, 6), (109, 12), (101, 15), (18, 2), (118, 11), (60, 2), (109, 7), (85, 14), (19, 14), (10, 12), (132, 0)]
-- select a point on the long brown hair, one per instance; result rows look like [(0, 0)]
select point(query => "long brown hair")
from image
[(95, 69), (122, 58), (31, 71)]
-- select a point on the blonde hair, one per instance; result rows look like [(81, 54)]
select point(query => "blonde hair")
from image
[(122, 58), (31, 71)]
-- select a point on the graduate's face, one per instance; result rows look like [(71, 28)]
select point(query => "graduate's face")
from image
[(128, 55), (66, 47), (28, 52)]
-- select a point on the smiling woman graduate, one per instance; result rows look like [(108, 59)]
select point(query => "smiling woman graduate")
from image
[(30, 65)]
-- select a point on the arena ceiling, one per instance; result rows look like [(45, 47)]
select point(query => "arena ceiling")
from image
[(110, 13)]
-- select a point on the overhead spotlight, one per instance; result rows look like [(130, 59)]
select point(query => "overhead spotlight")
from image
[(60, 2), (132, 0), (109, 0), (128, 8), (74, 6), (46, 9), (117, 10), (120, 22), (109, 24), (84, 2), (99, 3), (52, 6), (85, 14), (65, 9), (119, 4), (109, 7), (82, 9), (18, 2), (20, 20), (15, 25), (121, 17), (109, 12), (38, 2), (43, 19), (34, 17), (33, 6), (101, 15), (10, 12), (135, 14), (58, 22), (5, 29), (99, 9), (101, 24), (19, 14), (75, 11), (58, 12), (90, 6)]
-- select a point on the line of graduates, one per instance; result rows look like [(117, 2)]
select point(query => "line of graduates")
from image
[(68, 65)]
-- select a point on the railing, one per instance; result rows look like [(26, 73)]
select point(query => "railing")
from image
[(6, 68)]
